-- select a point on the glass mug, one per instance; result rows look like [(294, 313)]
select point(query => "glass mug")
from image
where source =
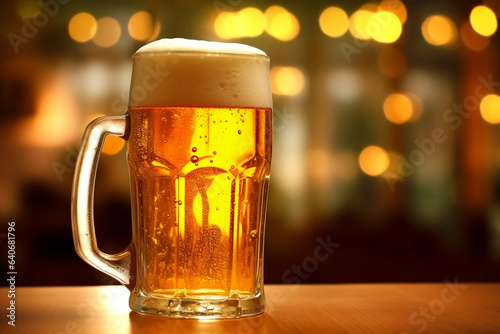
[(199, 140)]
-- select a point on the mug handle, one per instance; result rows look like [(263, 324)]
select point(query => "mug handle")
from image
[(118, 265)]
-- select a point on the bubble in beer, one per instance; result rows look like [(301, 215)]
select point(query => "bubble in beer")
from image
[(172, 135), (194, 159), (165, 141), (194, 149), (253, 234)]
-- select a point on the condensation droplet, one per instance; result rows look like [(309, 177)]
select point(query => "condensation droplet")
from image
[(179, 202), (194, 159), (194, 149), (211, 161), (172, 135), (232, 166), (239, 132), (196, 164), (217, 209), (165, 141), (176, 223), (229, 177), (253, 234), (215, 152)]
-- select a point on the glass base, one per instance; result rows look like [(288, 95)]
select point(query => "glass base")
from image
[(197, 308)]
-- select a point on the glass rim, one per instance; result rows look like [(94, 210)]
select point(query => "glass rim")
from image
[(208, 53)]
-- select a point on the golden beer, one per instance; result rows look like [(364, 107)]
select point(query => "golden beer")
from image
[(201, 176), (199, 132)]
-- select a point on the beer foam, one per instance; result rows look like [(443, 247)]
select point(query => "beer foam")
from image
[(191, 73)]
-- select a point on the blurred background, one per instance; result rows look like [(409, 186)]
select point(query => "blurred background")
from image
[(386, 131)]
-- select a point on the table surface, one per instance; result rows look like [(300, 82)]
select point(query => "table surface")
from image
[(448, 307)]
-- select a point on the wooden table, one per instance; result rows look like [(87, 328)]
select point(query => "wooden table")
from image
[(312, 309)]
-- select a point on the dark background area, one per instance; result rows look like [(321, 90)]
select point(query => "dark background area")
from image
[(439, 222)]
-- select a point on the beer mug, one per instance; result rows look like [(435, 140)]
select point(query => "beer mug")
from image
[(199, 138)]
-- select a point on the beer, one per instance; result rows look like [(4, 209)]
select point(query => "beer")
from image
[(199, 131), (202, 173)]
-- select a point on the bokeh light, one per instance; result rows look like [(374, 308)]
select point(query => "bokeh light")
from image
[(392, 62), (373, 160), (224, 25), (251, 22), (141, 26), (55, 119), (357, 23), (334, 22), (472, 39), (286, 80), (490, 108), (281, 24), (112, 145), (483, 20), (396, 7), (248, 22), (439, 30), (108, 32), (82, 27), (398, 108), (384, 27)]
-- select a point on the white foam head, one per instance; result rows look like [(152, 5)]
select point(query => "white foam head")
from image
[(181, 72)]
